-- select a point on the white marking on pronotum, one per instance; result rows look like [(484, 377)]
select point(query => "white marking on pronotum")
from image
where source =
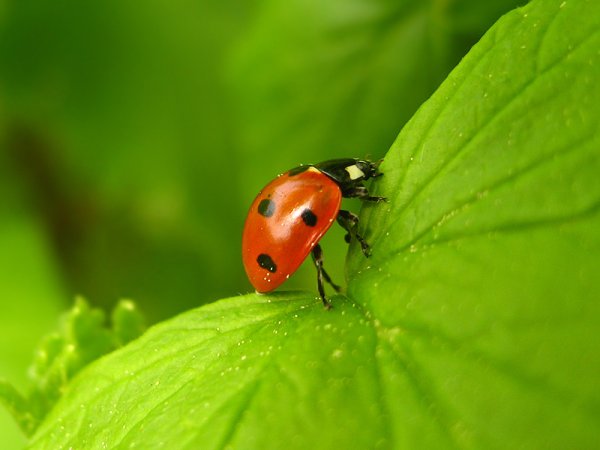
[(354, 172)]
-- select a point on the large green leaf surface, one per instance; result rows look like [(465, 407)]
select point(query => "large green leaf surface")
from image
[(472, 325)]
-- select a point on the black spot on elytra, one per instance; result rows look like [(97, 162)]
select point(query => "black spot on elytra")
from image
[(309, 217), (266, 262), (297, 170), (266, 207)]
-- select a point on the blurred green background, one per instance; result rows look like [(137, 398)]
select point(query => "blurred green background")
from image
[(134, 135)]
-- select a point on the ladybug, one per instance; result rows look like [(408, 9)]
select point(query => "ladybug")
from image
[(291, 214)]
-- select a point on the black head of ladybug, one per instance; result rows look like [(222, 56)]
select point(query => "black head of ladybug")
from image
[(349, 174)]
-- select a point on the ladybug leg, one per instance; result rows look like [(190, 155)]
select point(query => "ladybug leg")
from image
[(331, 283), (317, 255), (349, 222), (362, 193)]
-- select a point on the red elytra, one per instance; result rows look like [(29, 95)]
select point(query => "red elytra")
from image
[(280, 232), (292, 213)]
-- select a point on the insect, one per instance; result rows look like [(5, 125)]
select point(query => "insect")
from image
[(291, 214)]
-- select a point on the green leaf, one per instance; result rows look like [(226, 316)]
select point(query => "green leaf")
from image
[(280, 361), (489, 249), (473, 324), (83, 337)]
